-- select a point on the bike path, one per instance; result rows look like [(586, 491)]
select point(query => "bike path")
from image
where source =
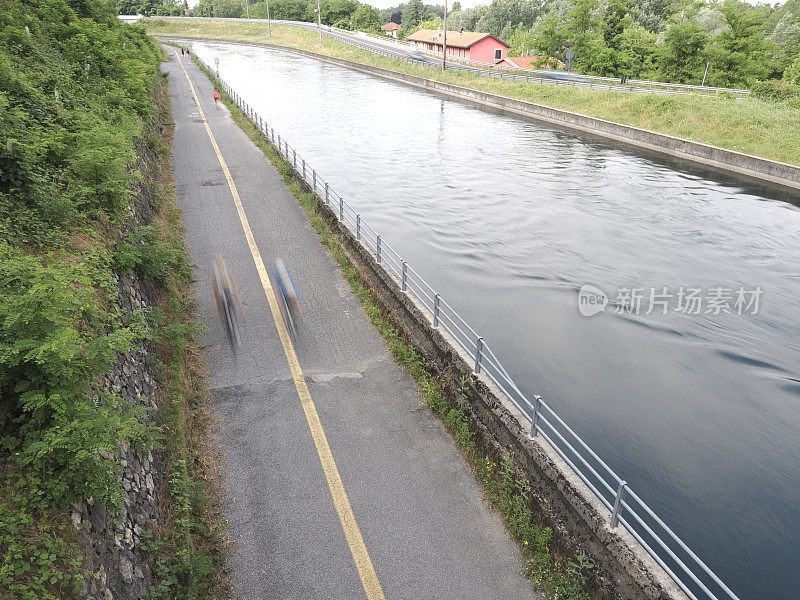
[(425, 526)]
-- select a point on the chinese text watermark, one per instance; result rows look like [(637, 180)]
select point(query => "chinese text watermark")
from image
[(662, 300)]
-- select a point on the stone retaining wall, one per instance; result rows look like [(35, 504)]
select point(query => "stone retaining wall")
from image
[(115, 564)]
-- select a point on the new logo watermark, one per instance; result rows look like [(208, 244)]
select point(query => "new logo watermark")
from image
[(591, 300), (683, 300)]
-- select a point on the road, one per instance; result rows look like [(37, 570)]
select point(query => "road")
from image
[(339, 483)]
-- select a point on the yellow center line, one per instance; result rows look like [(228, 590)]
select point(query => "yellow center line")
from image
[(352, 533)]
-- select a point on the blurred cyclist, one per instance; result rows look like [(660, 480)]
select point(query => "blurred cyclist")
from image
[(226, 299), (288, 296)]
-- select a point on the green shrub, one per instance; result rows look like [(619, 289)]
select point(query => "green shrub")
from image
[(76, 88), (147, 252), (775, 90), (792, 73), (56, 340)]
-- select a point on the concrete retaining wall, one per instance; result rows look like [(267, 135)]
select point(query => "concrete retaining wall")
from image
[(718, 158), (726, 160)]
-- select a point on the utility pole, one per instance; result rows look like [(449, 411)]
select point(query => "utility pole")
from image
[(319, 21), (444, 44), (246, 9), (269, 21), (705, 74)]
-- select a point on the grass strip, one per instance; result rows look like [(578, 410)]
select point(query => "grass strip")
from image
[(750, 125), (560, 577)]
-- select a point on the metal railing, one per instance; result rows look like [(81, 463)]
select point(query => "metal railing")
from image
[(625, 507), (488, 69)]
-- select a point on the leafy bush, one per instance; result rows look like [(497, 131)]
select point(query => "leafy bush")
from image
[(792, 73), (76, 87), (73, 94), (775, 90), (147, 252), (56, 340)]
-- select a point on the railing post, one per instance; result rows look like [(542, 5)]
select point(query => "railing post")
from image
[(358, 226), (304, 170), (341, 209), (436, 300), (537, 409), (378, 250), (294, 159), (478, 353), (623, 485), (314, 180), (326, 193), (404, 278), (279, 143)]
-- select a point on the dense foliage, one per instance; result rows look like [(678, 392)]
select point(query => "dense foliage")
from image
[(345, 14), (724, 42), (76, 87)]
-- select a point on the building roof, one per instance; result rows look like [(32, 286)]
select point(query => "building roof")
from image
[(391, 26), (521, 62), (527, 62), (456, 39)]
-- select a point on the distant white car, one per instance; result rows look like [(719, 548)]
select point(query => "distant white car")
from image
[(417, 55)]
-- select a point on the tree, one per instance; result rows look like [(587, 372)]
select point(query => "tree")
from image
[(333, 12), (456, 7), (413, 14), (219, 8), (738, 55), (682, 57), (172, 8), (638, 46), (290, 10), (792, 73), (506, 15), (615, 19), (653, 14), (366, 18), (548, 37)]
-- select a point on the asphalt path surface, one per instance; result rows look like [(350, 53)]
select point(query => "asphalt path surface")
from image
[(425, 523)]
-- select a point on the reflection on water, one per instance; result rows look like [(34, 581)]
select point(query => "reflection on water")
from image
[(508, 219)]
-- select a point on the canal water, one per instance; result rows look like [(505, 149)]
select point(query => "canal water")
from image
[(696, 406)]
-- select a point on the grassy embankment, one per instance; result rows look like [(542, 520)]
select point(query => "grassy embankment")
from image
[(82, 113), (750, 125), (558, 576)]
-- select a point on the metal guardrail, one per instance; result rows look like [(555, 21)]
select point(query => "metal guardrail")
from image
[(625, 507), (488, 69)]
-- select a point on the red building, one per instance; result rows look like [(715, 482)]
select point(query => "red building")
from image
[(390, 29), (480, 47)]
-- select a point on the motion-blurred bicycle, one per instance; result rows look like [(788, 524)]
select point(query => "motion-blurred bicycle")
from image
[(288, 296), (226, 299)]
